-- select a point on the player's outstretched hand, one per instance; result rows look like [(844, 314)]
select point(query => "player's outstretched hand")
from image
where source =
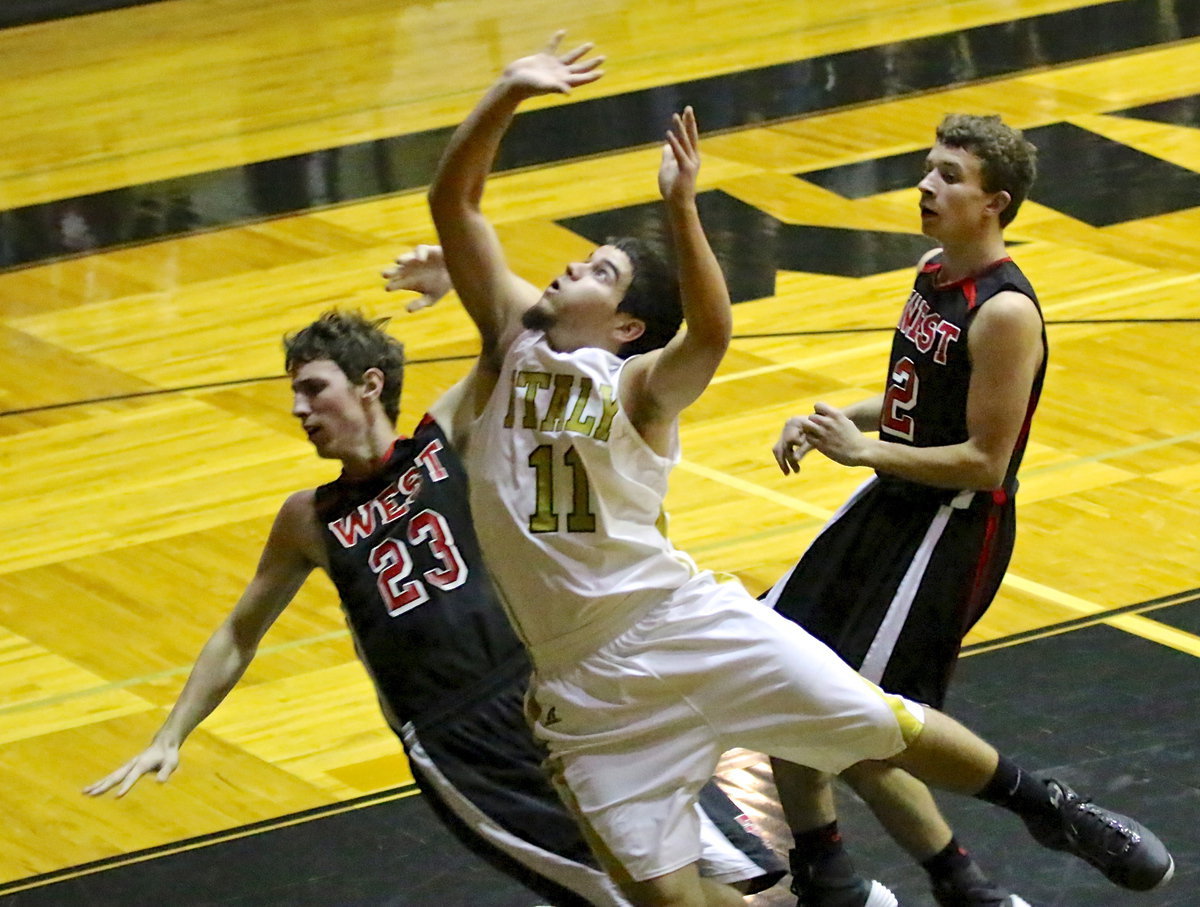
[(157, 757), (792, 445), (551, 72), (680, 158), (423, 270)]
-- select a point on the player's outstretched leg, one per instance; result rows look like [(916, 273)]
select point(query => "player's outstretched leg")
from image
[(907, 811), (1127, 852), (949, 756)]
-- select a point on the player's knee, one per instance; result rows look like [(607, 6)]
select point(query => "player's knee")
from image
[(799, 777), (868, 779)]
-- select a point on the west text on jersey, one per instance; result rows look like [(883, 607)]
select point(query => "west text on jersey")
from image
[(384, 508), (923, 326)]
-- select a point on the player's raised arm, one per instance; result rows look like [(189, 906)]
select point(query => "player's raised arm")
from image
[(679, 374), (493, 297), (281, 571)]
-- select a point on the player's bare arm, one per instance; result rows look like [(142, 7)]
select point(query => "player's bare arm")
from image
[(663, 384), (1006, 352), (490, 292), (793, 442), (286, 561), (865, 414)]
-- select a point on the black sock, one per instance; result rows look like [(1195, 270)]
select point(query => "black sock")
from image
[(820, 852), (1018, 791), (946, 862)]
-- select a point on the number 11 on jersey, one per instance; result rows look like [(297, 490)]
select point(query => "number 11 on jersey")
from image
[(545, 517)]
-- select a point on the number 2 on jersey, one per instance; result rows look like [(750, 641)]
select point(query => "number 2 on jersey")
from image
[(900, 398), (545, 515), (392, 563)]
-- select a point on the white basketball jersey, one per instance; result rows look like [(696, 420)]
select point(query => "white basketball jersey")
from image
[(567, 500)]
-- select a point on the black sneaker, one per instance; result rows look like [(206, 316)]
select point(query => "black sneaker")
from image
[(969, 887), (1127, 852), (834, 883), (853, 892)]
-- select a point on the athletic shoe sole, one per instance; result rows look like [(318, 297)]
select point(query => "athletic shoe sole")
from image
[(880, 896)]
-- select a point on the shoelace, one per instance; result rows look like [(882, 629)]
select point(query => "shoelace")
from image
[(1115, 832)]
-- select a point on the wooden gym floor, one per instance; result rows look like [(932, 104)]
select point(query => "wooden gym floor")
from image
[(183, 181)]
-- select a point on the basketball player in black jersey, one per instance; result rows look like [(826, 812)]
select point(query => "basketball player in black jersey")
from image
[(903, 571), (394, 533)]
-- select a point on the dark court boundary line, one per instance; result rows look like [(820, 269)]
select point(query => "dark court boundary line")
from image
[(236, 382), (874, 330), (33, 12), (214, 385), (778, 92), (1189, 596)]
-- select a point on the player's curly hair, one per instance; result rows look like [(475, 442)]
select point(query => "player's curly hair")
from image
[(355, 343), (652, 296), (1008, 160)]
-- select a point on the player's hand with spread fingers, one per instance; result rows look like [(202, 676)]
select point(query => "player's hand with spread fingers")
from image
[(830, 431), (423, 270), (792, 445), (159, 757), (680, 159), (551, 72)]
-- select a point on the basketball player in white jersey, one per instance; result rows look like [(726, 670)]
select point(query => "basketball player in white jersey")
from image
[(645, 668)]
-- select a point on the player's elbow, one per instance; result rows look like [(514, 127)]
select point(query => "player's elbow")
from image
[(989, 473), (239, 639), (453, 198), (706, 350), (712, 336), (441, 205), (991, 481), (716, 340)]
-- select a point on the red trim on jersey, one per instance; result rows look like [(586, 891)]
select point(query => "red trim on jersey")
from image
[(387, 454), (1023, 434), (937, 266), (426, 419), (969, 291), (972, 612)]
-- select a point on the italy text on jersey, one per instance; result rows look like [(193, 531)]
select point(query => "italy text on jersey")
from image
[(571, 395)]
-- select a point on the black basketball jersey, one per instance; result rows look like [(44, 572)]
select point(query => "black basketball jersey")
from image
[(925, 404), (406, 563)]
